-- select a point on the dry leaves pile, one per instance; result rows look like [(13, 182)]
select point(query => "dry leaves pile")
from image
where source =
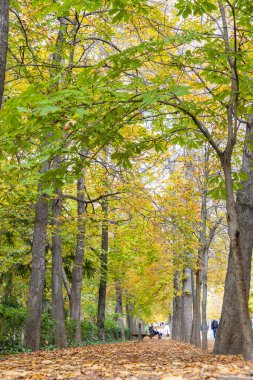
[(150, 359)]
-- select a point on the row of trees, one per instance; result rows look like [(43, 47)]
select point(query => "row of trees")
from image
[(96, 94)]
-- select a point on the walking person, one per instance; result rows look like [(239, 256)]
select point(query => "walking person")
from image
[(214, 327)]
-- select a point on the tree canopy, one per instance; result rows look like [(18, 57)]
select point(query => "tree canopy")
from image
[(126, 142)]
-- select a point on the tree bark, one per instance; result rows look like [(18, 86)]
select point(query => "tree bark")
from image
[(193, 298), (186, 306), (204, 282), (57, 272), (34, 307), (119, 311), (77, 274), (229, 339), (195, 337), (66, 282), (139, 332), (103, 273), (176, 332), (204, 300), (130, 317), (4, 31), (235, 246)]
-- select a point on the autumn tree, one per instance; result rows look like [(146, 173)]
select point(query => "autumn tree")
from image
[(226, 94)]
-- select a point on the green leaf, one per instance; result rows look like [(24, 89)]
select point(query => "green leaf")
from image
[(43, 111)]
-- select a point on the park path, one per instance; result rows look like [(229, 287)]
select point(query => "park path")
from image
[(150, 359)]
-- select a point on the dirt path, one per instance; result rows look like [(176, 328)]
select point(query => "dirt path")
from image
[(151, 359)]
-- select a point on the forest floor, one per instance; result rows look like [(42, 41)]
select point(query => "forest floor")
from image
[(150, 359)]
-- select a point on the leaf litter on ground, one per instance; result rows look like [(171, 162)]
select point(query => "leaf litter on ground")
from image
[(148, 360)]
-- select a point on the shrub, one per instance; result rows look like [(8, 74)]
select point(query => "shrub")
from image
[(47, 330), (70, 330), (128, 334), (112, 330), (12, 322), (89, 332)]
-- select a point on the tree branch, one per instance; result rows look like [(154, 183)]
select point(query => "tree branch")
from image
[(66, 282), (68, 196), (104, 41), (212, 233), (198, 124)]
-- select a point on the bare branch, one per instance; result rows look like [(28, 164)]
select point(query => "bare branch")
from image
[(104, 41), (67, 196)]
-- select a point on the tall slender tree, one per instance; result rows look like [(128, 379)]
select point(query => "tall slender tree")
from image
[(4, 31), (196, 338), (76, 288), (57, 275), (34, 306), (186, 320), (32, 329), (103, 272), (119, 309), (176, 331)]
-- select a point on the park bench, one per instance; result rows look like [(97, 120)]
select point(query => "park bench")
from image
[(140, 335), (143, 335)]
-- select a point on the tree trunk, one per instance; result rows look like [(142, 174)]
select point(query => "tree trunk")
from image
[(34, 307), (186, 306), (204, 281), (195, 337), (77, 274), (57, 274), (130, 317), (204, 300), (66, 282), (103, 273), (193, 299), (136, 324), (139, 332), (32, 328), (235, 246), (119, 311), (229, 338), (57, 265), (176, 332), (4, 31)]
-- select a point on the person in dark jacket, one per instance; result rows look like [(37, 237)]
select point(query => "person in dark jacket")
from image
[(153, 332), (214, 327)]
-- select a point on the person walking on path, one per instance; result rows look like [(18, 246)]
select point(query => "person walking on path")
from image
[(214, 327)]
